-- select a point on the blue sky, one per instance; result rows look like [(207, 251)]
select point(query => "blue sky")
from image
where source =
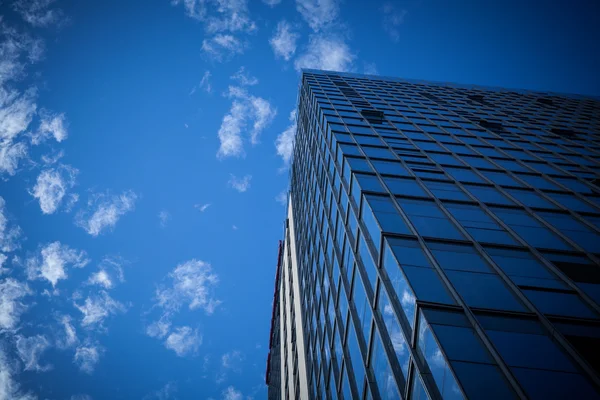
[(143, 155)]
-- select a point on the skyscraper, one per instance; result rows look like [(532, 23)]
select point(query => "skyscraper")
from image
[(441, 242)]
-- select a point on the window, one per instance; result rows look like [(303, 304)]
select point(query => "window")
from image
[(463, 175), (447, 159), (478, 162), (500, 178), (585, 274), (488, 194), (356, 165), (394, 332), (437, 363), (355, 357), (363, 182), (530, 229), (571, 202), (538, 182), (446, 190), (405, 258), (428, 219), (382, 371), (511, 165), (559, 303), (378, 152), (458, 257), (369, 265), (519, 263), (387, 215), (530, 198), (404, 186), (479, 225), (390, 167), (574, 230), (484, 291)]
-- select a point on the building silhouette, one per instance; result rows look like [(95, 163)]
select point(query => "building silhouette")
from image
[(441, 242)]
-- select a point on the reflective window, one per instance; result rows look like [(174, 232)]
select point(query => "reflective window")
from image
[(574, 230), (440, 370), (446, 190), (428, 219), (556, 385), (530, 198), (378, 152), (390, 167), (423, 279), (478, 162), (530, 229), (479, 225), (394, 332), (383, 372), (571, 202), (484, 291), (511, 165), (444, 159), (482, 381), (458, 257), (356, 165), (387, 215), (538, 182), (417, 391), (574, 185), (355, 357), (488, 194), (463, 175), (404, 186), (558, 303), (519, 263), (500, 178)]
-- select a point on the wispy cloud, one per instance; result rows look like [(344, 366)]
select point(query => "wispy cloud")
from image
[(232, 393), (370, 68), (9, 232), (240, 184), (164, 217), (204, 84), (222, 46), (51, 125), (38, 12), (183, 341), (318, 13), (393, 17), (202, 207), (104, 211), (52, 262), (281, 197), (327, 52), (244, 78), (68, 336), (12, 293), (165, 393), (232, 361), (285, 140), (101, 278), (97, 308), (9, 387), (30, 350), (245, 109), (284, 40), (52, 185), (81, 397), (271, 3), (86, 357)]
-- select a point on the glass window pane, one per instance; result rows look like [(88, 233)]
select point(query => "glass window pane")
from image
[(555, 303), (530, 198), (458, 257), (479, 225), (488, 194), (555, 385), (484, 290), (429, 220), (383, 372), (404, 186), (482, 381), (394, 332)]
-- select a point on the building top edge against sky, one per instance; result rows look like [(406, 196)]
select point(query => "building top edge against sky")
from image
[(449, 84)]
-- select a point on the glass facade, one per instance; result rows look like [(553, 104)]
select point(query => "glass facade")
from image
[(445, 244)]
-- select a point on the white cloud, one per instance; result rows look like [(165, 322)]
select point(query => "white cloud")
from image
[(202, 207), (52, 185), (232, 393), (232, 360), (11, 306), (51, 125), (86, 357), (81, 397), (271, 3), (159, 329), (105, 210), (9, 388), (392, 19), (30, 350), (193, 8), (192, 283), (203, 85), (370, 68), (240, 184), (281, 197), (101, 278), (97, 308), (222, 47), (16, 112), (10, 156), (9, 233), (38, 12), (284, 40), (244, 78), (163, 218), (165, 393), (183, 341), (245, 109), (318, 13), (53, 263), (67, 338), (326, 52), (285, 140), (3, 259)]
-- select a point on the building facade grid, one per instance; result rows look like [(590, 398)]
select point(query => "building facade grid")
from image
[(448, 241)]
